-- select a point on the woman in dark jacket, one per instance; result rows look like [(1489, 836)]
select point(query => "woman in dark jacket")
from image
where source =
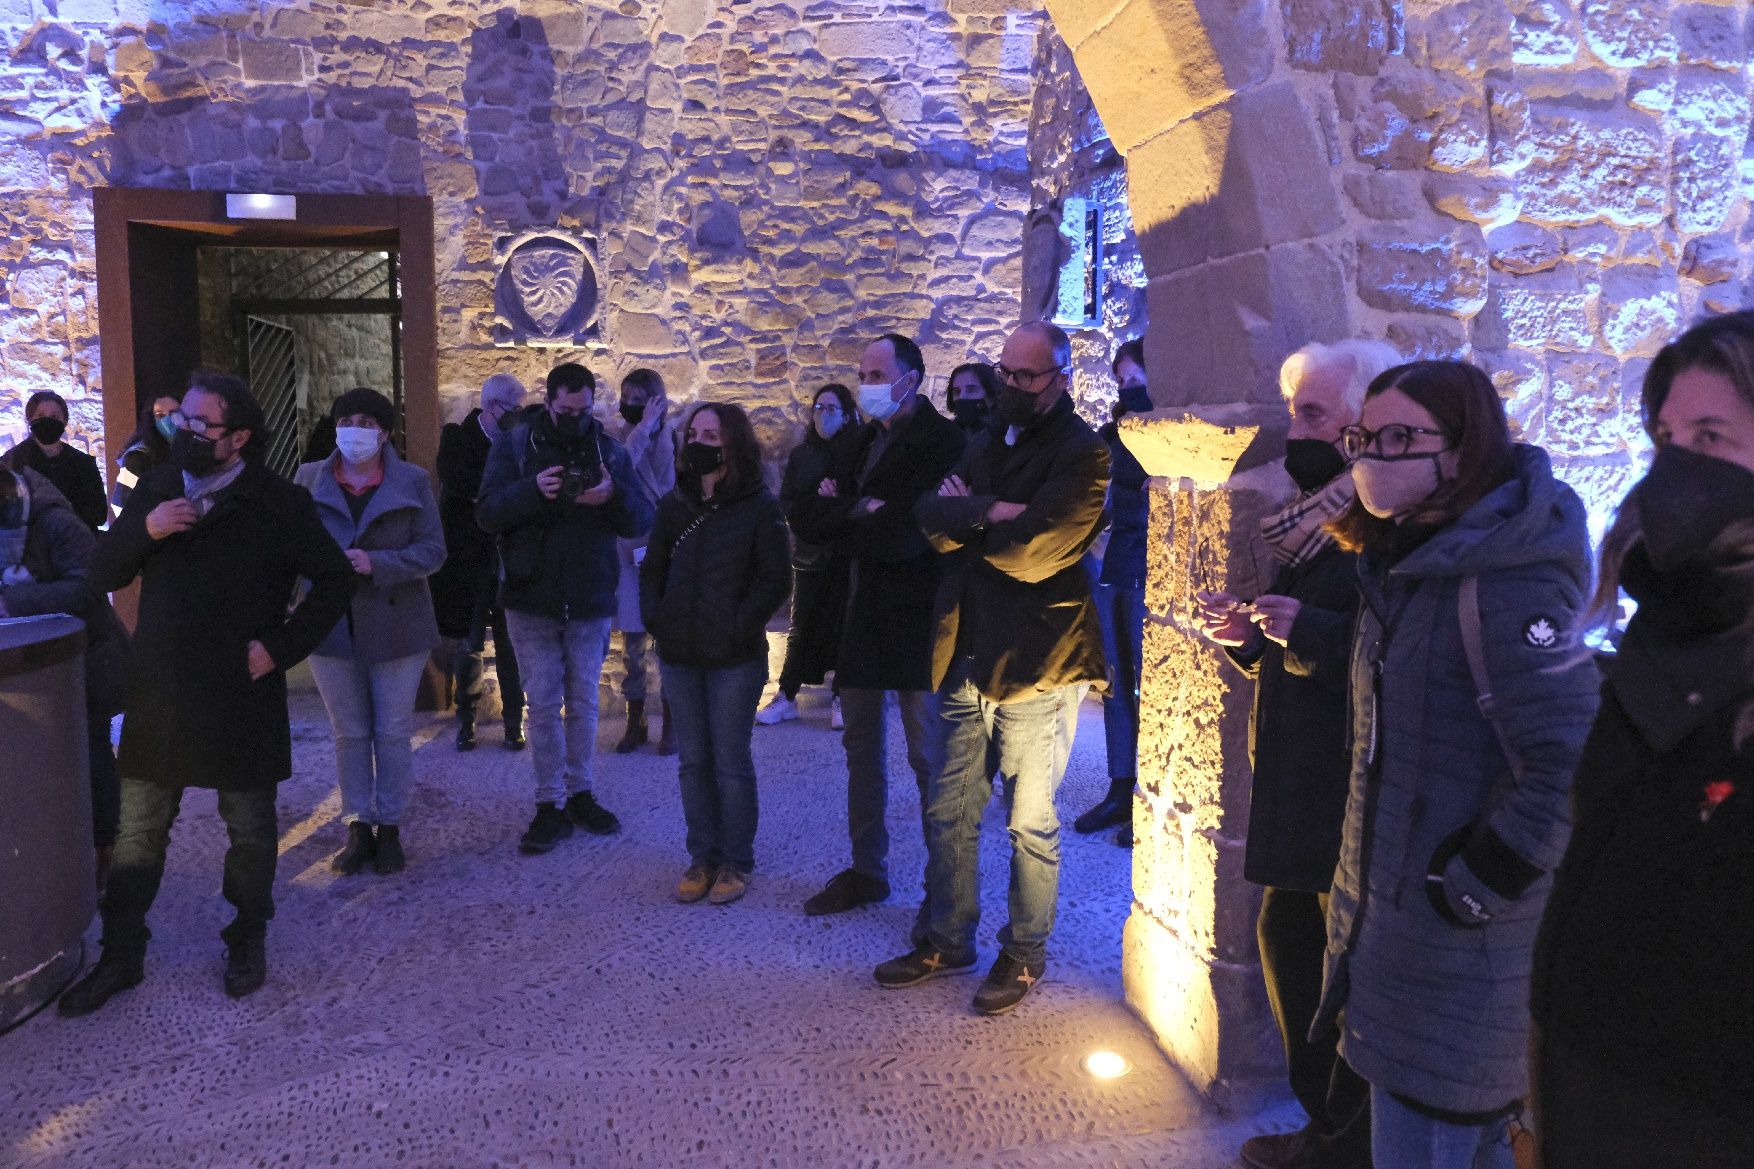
[(716, 569), (1644, 977), (45, 554), (1474, 567), (382, 513), (819, 573), (148, 447)]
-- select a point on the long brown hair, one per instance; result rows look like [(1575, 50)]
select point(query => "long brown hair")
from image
[(742, 450), (1467, 408), (1724, 345)]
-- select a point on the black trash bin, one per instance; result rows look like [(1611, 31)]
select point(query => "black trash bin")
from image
[(47, 862)]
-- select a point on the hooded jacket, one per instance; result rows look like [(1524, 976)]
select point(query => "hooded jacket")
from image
[(1436, 996)]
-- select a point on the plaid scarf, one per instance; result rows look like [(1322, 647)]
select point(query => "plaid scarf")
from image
[(1295, 534)]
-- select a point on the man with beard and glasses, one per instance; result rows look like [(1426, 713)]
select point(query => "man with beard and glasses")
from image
[(218, 542), (1294, 642)]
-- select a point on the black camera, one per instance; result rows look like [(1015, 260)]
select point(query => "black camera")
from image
[(583, 468)]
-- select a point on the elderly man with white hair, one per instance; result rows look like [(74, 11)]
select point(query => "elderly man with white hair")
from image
[(1295, 640), (466, 589)]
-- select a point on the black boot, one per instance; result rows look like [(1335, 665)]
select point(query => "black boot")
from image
[(389, 858), (666, 741), (465, 727), (635, 735), (246, 966), (514, 730), (107, 979), (1116, 808), (360, 849)]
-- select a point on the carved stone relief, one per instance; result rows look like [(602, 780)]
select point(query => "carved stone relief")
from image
[(548, 290)]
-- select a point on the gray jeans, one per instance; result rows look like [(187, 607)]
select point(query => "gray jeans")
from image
[(866, 739), (562, 664)]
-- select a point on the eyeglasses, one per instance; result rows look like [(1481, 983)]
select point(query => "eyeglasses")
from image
[(1022, 378), (198, 424), (826, 408), (1391, 442)]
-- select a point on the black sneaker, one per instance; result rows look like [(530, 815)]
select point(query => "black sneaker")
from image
[(514, 732), (548, 829), (918, 965), (1007, 984), (246, 966), (389, 857), (593, 817), (360, 849), (846, 890), (107, 979)]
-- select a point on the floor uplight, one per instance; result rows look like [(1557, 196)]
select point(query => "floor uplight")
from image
[(1107, 1065)]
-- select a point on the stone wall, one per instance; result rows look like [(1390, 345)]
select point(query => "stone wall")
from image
[(1072, 157), (769, 183)]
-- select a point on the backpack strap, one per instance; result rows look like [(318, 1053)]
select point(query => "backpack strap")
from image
[(1474, 648)]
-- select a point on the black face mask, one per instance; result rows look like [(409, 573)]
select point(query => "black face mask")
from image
[(48, 429), (571, 427), (194, 454), (1133, 400), (700, 459), (633, 413), (1311, 462), (1017, 408), (970, 413), (1685, 502)]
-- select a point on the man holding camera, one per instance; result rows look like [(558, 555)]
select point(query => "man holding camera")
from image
[(557, 493)]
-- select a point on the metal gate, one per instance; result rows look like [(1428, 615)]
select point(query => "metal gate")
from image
[(270, 369)]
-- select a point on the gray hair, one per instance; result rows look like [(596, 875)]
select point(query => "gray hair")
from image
[(1057, 340), (503, 387), (1363, 361)]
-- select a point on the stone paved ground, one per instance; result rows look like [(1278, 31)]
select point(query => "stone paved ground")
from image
[(490, 1009)]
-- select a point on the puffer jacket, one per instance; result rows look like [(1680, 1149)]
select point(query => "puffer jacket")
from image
[(1445, 856), (713, 574)]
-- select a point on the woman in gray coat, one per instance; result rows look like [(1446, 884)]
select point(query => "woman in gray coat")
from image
[(382, 512), (1474, 569)]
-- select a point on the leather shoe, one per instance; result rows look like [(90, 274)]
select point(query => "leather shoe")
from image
[(1112, 812), (110, 977), (1275, 1150), (246, 966), (846, 890)]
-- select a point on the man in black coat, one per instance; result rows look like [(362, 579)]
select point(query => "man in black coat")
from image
[(865, 511), (1017, 643), (466, 589), (1296, 642), (219, 543), (73, 472)]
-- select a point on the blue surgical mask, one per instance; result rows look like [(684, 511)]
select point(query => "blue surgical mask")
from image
[(875, 402), (358, 444), (165, 426)]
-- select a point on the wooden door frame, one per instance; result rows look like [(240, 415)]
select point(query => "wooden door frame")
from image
[(401, 223)]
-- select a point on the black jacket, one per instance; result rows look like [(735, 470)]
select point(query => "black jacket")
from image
[(1015, 596), (74, 474), (558, 557), (886, 643), (1123, 563), (1645, 962), (713, 574), (57, 551), (1298, 730), (194, 716), (468, 569), (810, 462)]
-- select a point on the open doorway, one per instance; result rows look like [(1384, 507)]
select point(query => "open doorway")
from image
[(342, 291)]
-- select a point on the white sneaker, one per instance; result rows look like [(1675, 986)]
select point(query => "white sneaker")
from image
[(835, 721), (778, 711)]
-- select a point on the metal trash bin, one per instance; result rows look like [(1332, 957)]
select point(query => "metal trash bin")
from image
[(47, 861)]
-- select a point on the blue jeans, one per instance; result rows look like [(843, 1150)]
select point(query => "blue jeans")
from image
[(714, 711), (1401, 1138), (1034, 738), (1122, 612), (866, 739), (562, 665), (371, 710), (147, 813)]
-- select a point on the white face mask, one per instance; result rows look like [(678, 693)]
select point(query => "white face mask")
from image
[(1394, 487), (358, 444), (875, 402)]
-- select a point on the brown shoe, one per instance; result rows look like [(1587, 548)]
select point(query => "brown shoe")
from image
[(729, 885), (1275, 1150), (694, 883)]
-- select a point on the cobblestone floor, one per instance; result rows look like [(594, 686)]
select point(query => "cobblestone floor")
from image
[(491, 1009)]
